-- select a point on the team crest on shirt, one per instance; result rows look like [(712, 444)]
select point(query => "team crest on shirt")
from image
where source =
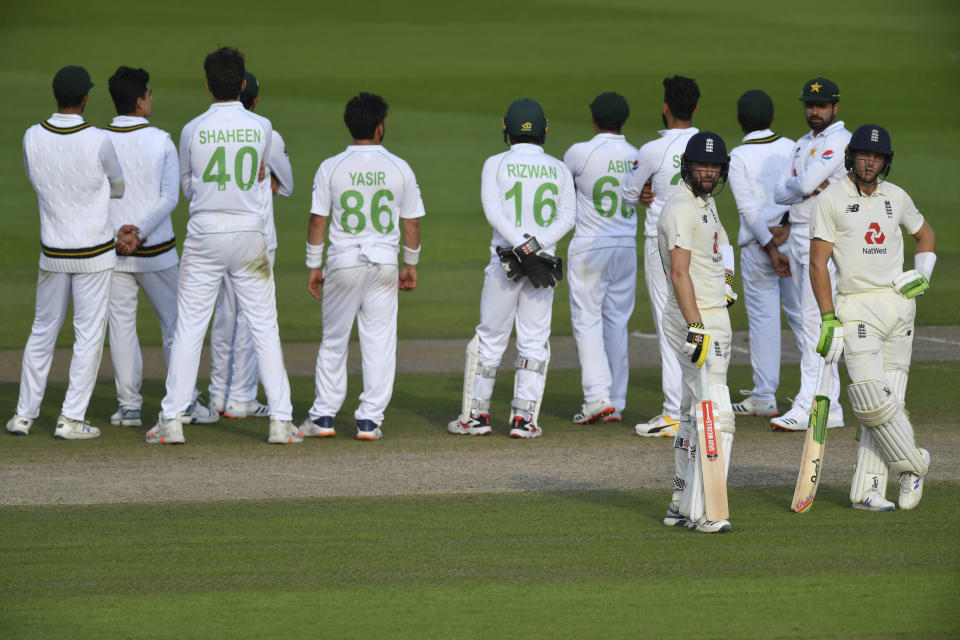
[(827, 154)]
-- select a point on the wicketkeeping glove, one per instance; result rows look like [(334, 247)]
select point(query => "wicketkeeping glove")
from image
[(542, 269), (830, 345), (911, 283), (698, 344), (728, 289), (510, 263)]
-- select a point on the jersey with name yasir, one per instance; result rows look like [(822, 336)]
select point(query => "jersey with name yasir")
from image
[(599, 168), (221, 152), (525, 191), (865, 232), (366, 191)]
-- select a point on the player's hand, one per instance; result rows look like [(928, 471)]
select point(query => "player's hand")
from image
[(779, 262), (911, 284), (263, 173), (127, 239), (408, 277), (510, 263), (315, 282), (780, 234), (698, 345), (728, 289), (830, 345), (538, 271), (274, 185), (646, 194)]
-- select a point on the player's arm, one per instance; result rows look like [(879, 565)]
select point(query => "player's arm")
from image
[(411, 255), (749, 207), (820, 252), (169, 194), (186, 174), (815, 177), (316, 233), (916, 281), (683, 284), (643, 169), (280, 168), (111, 167), (493, 201)]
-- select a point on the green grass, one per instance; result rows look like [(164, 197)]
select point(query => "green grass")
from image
[(449, 73), (573, 564)]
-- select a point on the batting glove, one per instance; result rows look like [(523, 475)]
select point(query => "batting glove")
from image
[(728, 289), (697, 346), (830, 345), (911, 283)]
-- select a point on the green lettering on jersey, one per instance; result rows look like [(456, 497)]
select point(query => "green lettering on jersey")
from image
[(367, 178), (676, 161), (531, 171), (618, 166)]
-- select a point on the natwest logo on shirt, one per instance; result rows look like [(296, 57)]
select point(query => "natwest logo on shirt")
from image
[(874, 234)]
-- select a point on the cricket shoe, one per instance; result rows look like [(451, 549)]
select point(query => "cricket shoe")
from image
[(798, 420), (520, 427), (613, 417), (196, 413), (166, 432), (218, 404), (709, 526), (835, 419), (674, 518), (368, 430), (874, 501), (662, 426), (478, 425), (19, 425), (246, 409), (911, 485), (595, 411), (126, 417), (321, 427), (284, 432), (750, 406), (69, 429)]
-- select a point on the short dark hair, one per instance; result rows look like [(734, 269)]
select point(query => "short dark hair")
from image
[(224, 68), (126, 85), (68, 102), (364, 113), (681, 95)]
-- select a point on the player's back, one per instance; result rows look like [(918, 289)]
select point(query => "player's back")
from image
[(659, 161), (762, 161), (599, 168), (141, 150)]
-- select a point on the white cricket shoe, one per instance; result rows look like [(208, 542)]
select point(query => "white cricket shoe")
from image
[(246, 409), (284, 432), (321, 427), (796, 419), (594, 411), (874, 501), (674, 518), (218, 404), (750, 406), (478, 425), (368, 430), (19, 425), (911, 486), (166, 432), (660, 427), (196, 413), (69, 429), (523, 428), (126, 417), (835, 419), (709, 526)]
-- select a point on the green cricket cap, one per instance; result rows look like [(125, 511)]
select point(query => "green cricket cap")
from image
[(820, 90), (252, 90), (72, 82), (755, 109), (525, 118), (610, 110)]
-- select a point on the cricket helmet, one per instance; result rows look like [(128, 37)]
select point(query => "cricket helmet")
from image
[(870, 137), (706, 147)]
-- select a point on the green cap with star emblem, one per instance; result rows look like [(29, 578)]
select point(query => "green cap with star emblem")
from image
[(820, 90)]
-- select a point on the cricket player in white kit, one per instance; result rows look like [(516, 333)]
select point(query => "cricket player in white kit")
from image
[(602, 261), (233, 360), (221, 156), (755, 168), (529, 199), (695, 319), (817, 162), (74, 170), (152, 185), (857, 222), (658, 162), (364, 195)]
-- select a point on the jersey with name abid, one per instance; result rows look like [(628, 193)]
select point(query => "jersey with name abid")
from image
[(220, 156), (599, 168)]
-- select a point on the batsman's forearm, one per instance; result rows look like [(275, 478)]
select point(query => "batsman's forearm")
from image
[(686, 298), (820, 275)]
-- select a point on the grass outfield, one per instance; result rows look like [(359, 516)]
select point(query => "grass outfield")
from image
[(573, 564), (449, 72)]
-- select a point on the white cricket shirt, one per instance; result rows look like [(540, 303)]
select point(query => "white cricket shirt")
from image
[(278, 166), (815, 158), (755, 168)]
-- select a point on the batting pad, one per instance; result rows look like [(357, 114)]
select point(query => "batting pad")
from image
[(871, 470), (692, 502), (897, 380), (877, 408), (681, 456)]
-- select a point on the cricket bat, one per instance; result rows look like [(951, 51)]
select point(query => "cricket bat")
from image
[(711, 456), (811, 464)]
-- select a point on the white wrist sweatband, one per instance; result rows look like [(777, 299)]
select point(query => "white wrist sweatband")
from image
[(411, 256), (727, 252), (923, 262), (314, 255)]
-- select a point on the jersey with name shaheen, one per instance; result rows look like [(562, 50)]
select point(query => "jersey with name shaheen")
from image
[(865, 232), (692, 223), (599, 167), (366, 191), (221, 152), (526, 191)]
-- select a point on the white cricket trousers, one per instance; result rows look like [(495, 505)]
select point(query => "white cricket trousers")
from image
[(811, 364), (233, 359), (504, 304), (90, 292), (206, 260), (603, 284), (877, 334), (367, 292), (160, 287), (764, 294), (656, 282), (717, 321)]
